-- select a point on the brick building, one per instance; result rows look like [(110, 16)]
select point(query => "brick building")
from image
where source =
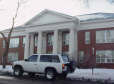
[(88, 39)]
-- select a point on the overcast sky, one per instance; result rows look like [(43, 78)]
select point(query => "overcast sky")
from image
[(30, 8)]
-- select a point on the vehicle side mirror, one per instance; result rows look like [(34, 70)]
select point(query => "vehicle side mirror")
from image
[(26, 59)]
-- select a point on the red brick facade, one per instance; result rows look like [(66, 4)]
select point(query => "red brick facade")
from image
[(19, 49), (90, 58)]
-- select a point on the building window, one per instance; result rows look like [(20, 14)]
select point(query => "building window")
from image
[(24, 40), (12, 56), (81, 56), (3, 43), (105, 36), (36, 40), (14, 43), (50, 40), (66, 39), (105, 56), (87, 37)]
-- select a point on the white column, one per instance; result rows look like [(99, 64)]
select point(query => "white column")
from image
[(44, 43), (39, 46), (26, 49), (60, 42), (76, 46), (32, 44), (71, 44), (55, 42)]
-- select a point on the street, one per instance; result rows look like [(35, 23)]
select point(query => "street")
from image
[(36, 80)]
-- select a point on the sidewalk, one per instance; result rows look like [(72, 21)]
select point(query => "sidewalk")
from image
[(7, 70), (98, 75)]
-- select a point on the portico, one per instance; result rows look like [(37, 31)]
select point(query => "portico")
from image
[(41, 43), (55, 24)]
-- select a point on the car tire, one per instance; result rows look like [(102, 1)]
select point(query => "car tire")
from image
[(18, 71), (50, 74)]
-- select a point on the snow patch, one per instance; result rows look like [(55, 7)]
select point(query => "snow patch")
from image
[(8, 69), (98, 74), (86, 17)]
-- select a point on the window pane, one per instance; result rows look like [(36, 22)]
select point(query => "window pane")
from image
[(98, 60), (109, 60), (14, 42), (3, 43), (100, 36), (36, 40), (112, 35), (55, 58), (81, 56), (45, 58), (87, 37), (102, 60), (104, 56), (65, 58), (24, 40), (112, 60), (50, 39), (66, 39), (105, 36), (33, 58), (49, 58), (12, 56), (112, 54)]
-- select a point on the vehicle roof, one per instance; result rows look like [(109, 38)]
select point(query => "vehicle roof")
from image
[(47, 54)]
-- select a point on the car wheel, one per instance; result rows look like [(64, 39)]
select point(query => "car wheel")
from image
[(18, 71), (50, 74)]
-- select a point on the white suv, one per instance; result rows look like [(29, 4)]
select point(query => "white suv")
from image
[(49, 64)]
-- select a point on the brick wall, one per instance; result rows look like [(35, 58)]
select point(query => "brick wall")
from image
[(19, 49), (90, 58)]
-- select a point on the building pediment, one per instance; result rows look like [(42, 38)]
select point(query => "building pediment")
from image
[(47, 17)]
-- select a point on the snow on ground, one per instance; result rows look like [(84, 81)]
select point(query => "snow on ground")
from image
[(8, 69), (99, 74)]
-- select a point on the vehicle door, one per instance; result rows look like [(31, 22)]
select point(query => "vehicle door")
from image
[(48, 61), (31, 64)]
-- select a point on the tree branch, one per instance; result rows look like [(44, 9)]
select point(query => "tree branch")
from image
[(13, 21), (3, 36)]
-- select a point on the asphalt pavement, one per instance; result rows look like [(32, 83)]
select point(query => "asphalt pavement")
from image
[(41, 80)]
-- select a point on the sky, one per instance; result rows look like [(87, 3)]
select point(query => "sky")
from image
[(30, 8)]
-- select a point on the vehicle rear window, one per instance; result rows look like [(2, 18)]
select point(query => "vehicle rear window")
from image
[(55, 58), (65, 58), (49, 58)]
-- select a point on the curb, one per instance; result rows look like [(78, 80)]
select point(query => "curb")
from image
[(93, 80)]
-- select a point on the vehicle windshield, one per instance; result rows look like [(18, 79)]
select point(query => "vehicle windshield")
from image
[(65, 58)]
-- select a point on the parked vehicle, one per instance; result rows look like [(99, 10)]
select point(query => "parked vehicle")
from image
[(50, 65)]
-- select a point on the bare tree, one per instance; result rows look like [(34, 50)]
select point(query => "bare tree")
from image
[(7, 39)]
